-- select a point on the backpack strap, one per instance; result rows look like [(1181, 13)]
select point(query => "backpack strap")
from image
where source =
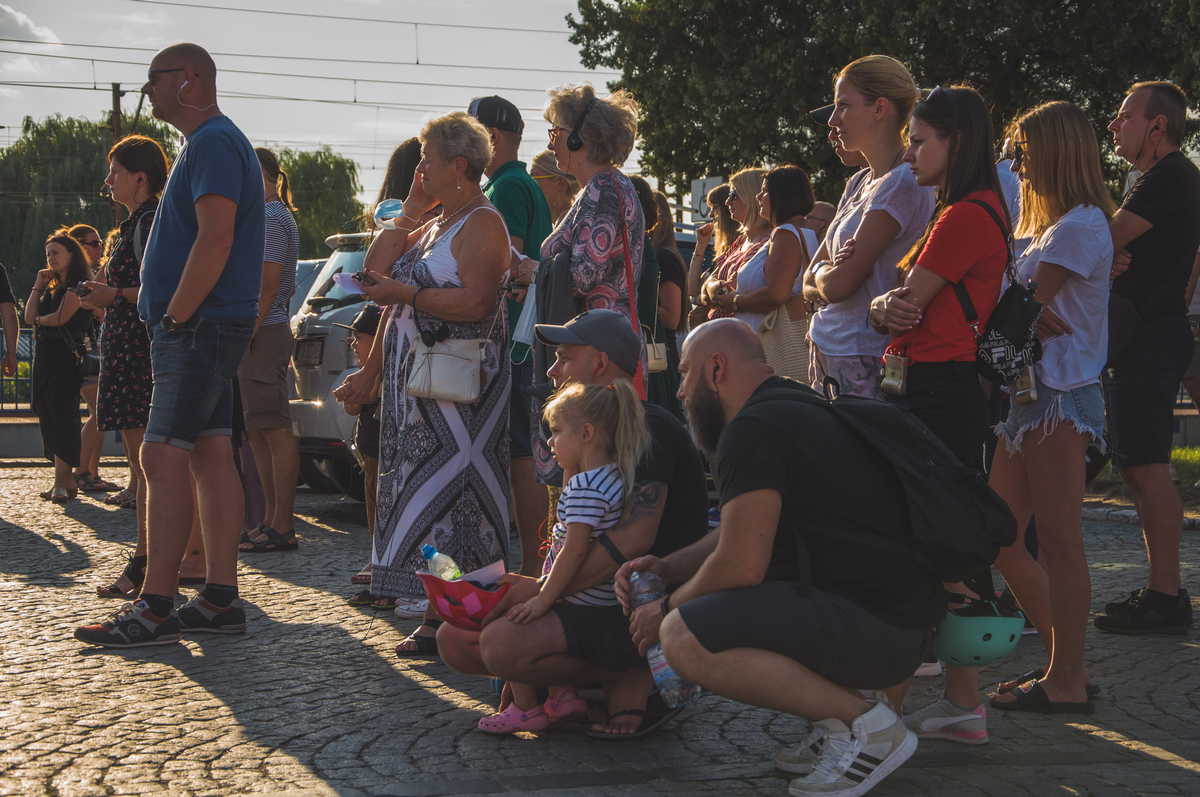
[(139, 239), (960, 290)]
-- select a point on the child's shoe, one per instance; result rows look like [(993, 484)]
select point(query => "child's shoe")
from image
[(513, 719)]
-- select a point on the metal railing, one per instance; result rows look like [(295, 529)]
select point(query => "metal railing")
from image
[(15, 390)]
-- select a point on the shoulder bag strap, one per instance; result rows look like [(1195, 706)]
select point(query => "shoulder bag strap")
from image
[(139, 240), (639, 381), (960, 290)]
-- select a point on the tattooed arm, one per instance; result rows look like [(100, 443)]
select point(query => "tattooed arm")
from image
[(633, 537)]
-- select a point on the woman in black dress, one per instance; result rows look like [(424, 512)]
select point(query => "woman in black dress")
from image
[(53, 310), (137, 172)]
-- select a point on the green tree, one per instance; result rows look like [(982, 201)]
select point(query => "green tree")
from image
[(324, 186), (52, 176), (728, 83)]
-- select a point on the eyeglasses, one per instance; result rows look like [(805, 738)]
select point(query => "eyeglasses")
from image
[(733, 195), (554, 131), (543, 176), (153, 73)]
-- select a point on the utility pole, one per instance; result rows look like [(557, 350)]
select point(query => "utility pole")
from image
[(114, 121)]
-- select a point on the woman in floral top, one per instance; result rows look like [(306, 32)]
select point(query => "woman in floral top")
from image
[(137, 172), (590, 138)]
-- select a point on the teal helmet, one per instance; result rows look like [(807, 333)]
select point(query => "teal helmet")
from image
[(977, 634)]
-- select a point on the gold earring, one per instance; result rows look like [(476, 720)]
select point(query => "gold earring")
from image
[(460, 186)]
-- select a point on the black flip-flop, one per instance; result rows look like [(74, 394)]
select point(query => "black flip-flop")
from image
[(1004, 687), (1034, 699), (361, 598), (650, 723)]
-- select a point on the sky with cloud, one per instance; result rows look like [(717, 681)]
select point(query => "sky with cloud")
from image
[(433, 66)]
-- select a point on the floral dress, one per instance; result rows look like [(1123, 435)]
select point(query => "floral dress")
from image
[(125, 377)]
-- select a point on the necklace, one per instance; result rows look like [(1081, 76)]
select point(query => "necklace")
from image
[(443, 224)]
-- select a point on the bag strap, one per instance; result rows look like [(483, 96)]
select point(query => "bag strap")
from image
[(139, 240), (639, 384), (960, 290)]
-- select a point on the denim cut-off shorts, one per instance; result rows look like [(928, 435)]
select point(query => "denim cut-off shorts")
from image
[(1083, 407), (193, 371)]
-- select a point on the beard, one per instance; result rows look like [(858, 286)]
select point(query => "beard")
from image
[(706, 418)]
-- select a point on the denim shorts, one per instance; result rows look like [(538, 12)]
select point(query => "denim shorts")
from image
[(193, 368), (1083, 407)]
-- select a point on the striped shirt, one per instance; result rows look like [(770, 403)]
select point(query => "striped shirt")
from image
[(593, 498), (282, 245)]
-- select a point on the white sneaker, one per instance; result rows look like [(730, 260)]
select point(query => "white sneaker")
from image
[(854, 760), (929, 669), (799, 760), (411, 609), (944, 720)]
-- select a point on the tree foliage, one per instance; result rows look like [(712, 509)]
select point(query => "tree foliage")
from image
[(324, 185), (728, 83), (51, 177)]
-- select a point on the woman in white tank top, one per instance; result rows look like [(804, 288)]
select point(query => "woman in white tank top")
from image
[(768, 294)]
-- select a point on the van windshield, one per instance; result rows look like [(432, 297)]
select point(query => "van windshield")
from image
[(343, 261)]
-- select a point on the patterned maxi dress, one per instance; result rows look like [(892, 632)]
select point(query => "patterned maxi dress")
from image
[(443, 466)]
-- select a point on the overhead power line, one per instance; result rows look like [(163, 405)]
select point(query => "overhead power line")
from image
[(325, 60), (338, 78), (309, 15)]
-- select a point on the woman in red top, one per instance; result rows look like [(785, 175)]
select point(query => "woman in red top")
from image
[(930, 358), (929, 363)]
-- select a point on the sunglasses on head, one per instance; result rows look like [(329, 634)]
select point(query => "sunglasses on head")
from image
[(1018, 155)]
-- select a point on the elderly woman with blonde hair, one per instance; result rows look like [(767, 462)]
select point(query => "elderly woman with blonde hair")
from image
[(443, 478), (595, 251)]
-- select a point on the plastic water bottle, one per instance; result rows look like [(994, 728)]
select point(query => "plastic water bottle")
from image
[(646, 588), (440, 565)]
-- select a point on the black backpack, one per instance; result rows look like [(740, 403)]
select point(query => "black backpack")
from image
[(959, 524)]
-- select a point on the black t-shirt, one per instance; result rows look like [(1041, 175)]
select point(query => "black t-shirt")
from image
[(1167, 196), (6, 294), (366, 430), (674, 461), (837, 496), (671, 268)]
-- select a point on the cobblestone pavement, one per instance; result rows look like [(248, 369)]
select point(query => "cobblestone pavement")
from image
[(312, 700)]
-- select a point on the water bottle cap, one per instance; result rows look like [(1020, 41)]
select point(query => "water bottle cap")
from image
[(428, 551)]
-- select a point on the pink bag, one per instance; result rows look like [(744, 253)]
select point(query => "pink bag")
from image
[(462, 604)]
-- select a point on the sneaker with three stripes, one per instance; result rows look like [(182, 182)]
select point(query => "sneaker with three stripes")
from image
[(945, 720), (799, 760), (854, 760)]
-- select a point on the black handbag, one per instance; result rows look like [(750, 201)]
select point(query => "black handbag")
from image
[(1009, 343)]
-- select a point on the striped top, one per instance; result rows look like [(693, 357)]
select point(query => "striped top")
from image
[(282, 245), (594, 498)]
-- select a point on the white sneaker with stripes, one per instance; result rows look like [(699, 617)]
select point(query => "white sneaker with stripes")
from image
[(799, 760), (854, 760)]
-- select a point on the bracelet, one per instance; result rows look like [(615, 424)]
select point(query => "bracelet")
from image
[(413, 301), (735, 303), (820, 264)]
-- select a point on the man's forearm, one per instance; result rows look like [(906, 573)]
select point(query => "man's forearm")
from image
[(204, 266), (684, 563)]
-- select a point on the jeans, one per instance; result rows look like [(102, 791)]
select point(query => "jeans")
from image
[(193, 369)]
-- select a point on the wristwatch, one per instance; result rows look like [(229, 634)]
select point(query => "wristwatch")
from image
[(170, 324)]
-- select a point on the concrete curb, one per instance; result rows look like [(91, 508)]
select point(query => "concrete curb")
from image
[(1130, 516)]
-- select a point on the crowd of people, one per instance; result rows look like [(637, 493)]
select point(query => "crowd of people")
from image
[(645, 373)]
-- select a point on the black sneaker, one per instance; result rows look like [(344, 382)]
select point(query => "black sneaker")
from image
[(131, 626), (198, 616), (1149, 614), (1120, 606)]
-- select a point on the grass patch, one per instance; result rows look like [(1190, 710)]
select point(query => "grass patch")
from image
[(1185, 463)]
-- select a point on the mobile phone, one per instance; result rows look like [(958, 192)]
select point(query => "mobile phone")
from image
[(80, 290), (894, 380), (364, 278)]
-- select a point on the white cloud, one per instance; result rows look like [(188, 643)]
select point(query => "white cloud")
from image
[(19, 64), (15, 24)]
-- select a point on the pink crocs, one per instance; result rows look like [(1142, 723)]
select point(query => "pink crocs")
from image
[(566, 704), (514, 719)]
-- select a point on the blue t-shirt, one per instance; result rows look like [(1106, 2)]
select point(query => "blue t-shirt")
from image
[(217, 159)]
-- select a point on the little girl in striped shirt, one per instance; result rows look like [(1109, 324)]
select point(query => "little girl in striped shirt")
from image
[(598, 435)]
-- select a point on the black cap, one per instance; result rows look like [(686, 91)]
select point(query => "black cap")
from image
[(822, 114), (497, 112), (366, 322), (606, 330)]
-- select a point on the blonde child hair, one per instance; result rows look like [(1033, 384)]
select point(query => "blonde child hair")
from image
[(616, 412)]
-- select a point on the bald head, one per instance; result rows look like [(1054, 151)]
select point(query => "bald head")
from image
[(192, 56), (729, 336)]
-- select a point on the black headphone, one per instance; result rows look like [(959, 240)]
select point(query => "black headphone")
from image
[(575, 141)]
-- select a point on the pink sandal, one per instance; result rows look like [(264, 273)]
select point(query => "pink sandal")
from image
[(514, 719), (566, 705)]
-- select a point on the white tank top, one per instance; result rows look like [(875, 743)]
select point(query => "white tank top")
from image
[(753, 277)]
